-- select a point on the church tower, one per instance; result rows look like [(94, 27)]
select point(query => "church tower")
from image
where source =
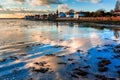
[(117, 7)]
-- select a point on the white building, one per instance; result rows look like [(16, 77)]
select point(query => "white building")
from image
[(79, 14), (76, 15)]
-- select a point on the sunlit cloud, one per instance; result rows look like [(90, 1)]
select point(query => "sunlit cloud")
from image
[(17, 6), (92, 1), (83, 0), (32, 2), (63, 8), (44, 2), (19, 0), (95, 1)]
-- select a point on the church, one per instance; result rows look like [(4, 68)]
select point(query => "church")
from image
[(117, 8)]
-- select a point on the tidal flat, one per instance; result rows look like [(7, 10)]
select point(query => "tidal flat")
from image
[(43, 50)]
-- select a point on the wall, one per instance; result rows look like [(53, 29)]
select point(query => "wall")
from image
[(93, 18)]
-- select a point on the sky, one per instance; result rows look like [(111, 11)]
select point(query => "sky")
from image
[(19, 8)]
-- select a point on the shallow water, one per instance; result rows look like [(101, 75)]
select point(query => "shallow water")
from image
[(22, 43), (85, 36)]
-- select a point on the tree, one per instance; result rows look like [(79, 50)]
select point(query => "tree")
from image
[(100, 13), (87, 14), (71, 11)]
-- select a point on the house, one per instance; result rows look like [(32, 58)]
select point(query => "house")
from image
[(44, 17), (76, 15), (79, 14), (37, 17), (29, 17), (70, 15), (61, 15)]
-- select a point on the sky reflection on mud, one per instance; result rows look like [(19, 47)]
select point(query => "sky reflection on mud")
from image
[(60, 47)]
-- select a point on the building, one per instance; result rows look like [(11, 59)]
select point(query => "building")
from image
[(44, 17), (37, 17), (32, 17), (29, 17), (61, 15), (70, 15), (76, 15), (79, 14), (117, 8)]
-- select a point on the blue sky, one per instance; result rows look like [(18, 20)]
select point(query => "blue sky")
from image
[(89, 6), (44, 5)]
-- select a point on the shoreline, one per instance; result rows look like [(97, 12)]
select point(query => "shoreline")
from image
[(97, 23), (92, 21), (102, 23)]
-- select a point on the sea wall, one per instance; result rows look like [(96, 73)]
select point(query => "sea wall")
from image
[(91, 19)]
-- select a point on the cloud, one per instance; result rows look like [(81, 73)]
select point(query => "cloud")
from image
[(20, 1), (13, 6), (12, 2), (83, 0), (44, 2), (19, 10), (92, 1), (32, 2), (95, 1), (63, 8)]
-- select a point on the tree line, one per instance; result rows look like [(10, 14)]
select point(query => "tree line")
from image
[(98, 13)]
